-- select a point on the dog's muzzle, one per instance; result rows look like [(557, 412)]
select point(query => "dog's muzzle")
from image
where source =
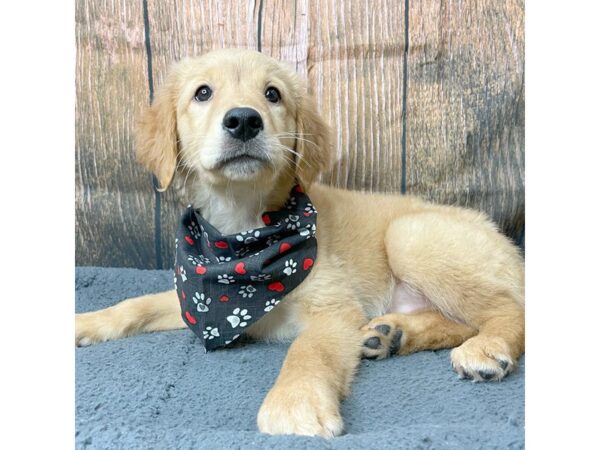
[(243, 123)]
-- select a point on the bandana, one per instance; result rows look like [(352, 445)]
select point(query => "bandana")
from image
[(225, 283)]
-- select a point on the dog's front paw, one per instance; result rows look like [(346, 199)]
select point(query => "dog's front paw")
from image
[(308, 409), (89, 330)]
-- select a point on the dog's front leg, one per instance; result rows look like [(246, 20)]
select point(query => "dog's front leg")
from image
[(154, 312), (315, 376)]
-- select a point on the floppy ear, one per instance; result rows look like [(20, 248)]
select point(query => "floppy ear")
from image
[(156, 134), (313, 145)]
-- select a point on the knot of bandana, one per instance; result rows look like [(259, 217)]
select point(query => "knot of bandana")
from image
[(225, 283)]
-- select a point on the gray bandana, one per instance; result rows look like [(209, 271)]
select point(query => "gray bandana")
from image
[(225, 283)]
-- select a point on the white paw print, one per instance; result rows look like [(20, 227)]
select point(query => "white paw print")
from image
[(271, 304), (308, 231), (198, 260), (175, 280), (247, 291), (176, 243), (225, 279), (290, 267), (201, 301), (232, 339), (182, 273), (194, 230), (260, 277), (309, 210), (239, 318), (248, 236), (210, 333), (292, 222), (223, 259)]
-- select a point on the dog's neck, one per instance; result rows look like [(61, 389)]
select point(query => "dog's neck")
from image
[(230, 209), (234, 208)]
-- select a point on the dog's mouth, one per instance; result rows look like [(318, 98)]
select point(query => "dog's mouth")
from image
[(242, 159)]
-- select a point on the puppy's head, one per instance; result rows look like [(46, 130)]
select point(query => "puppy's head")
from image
[(233, 116)]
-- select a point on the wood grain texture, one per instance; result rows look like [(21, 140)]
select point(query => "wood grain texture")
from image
[(113, 215), (355, 71), (463, 125), (465, 114), (284, 32)]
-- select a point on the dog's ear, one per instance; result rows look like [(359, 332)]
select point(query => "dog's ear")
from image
[(313, 144), (156, 133)]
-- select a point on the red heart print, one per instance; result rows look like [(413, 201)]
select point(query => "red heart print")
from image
[(299, 189), (190, 318), (189, 240), (277, 286), (240, 268), (182, 295), (223, 298), (266, 219), (284, 247), (221, 244), (200, 270), (308, 262), (307, 213)]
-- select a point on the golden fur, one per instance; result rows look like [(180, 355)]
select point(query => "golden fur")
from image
[(467, 277)]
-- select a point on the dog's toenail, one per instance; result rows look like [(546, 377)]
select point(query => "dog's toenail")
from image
[(373, 342), (486, 374), (503, 364), (395, 344), (383, 329)]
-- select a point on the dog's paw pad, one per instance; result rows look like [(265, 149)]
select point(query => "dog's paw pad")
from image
[(382, 338), (373, 343), (383, 329), (487, 374), (395, 344)]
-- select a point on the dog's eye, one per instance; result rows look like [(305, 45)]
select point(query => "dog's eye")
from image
[(272, 94), (203, 93)]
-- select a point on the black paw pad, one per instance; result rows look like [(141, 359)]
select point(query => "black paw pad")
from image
[(383, 329), (373, 343), (466, 376), (395, 344), (486, 374), (503, 364)]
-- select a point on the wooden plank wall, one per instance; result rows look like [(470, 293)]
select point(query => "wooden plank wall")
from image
[(426, 98)]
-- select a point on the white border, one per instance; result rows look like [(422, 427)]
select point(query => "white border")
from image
[(37, 85), (562, 190)]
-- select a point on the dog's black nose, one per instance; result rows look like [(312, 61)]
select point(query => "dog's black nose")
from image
[(243, 123)]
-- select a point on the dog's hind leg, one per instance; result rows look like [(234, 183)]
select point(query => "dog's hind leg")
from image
[(473, 278), (155, 312), (404, 334)]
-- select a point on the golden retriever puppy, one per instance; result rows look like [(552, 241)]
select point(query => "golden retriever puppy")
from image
[(394, 274)]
